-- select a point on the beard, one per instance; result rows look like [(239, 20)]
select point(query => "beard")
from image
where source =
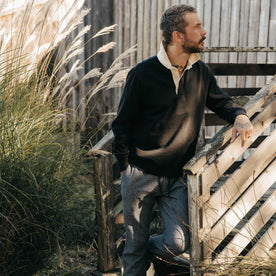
[(193, 49)]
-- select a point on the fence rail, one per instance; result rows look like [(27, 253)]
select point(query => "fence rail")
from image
[(215, 211), (215, 215)]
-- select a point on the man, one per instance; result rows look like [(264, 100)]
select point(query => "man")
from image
[(156, 131)]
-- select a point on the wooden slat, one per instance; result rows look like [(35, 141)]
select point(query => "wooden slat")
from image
[(104, 143), (104, 209), (239, 49), (146, 30), (227, 194), (253, 33), (133, 30), (215, 28), (271, 57), (127, 24), (211, 119), (160, 10), (241, 91), (249, 230), (224, 36), (153, 24), (119, 18), (243, 36), (202, 157), (231, 69), (140, 30), (207, 25), (195, 254), (212, 238), (234, 150), (257, 142), (263, 246), (263, 36)]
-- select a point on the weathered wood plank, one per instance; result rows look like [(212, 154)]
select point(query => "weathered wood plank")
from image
[(229, 69), (207, 25), (213, 237), (254, 13), (202, 157), (234, 150), (234, 30), (153, 29), (140, 30), (104, 215), (127, 26), (224, 36), (211, 119), (263, 36), (271, 57), (160, 10), (239, 49), (227, 194), (242, 91), (195, 252), (263, 246), (243, 37), (133, 30), (104, 143), (249, 230), (215, 28), (146, 30)]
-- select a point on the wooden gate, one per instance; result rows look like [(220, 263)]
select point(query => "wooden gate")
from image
[(226, 213)]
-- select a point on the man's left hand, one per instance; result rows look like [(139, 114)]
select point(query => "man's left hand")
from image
[(243, 126)]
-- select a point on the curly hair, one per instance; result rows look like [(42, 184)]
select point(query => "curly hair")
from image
[(173, 20)]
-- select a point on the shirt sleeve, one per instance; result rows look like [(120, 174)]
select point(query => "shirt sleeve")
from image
[(127, 115), (221, 103)]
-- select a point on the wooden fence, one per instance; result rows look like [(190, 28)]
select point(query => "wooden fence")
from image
[(247, 24), (218, 212), (229, 23), (223, 187)]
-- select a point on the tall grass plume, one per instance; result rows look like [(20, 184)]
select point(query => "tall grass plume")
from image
[(41, 168)]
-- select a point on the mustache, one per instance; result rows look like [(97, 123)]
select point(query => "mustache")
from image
[(202, 39)]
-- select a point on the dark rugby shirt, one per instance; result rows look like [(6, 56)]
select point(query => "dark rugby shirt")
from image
[(156, 129)]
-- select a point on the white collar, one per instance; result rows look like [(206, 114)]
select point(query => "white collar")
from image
[(163, 58)]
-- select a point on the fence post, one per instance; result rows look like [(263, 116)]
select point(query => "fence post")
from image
[(195, 252), (104, 212)]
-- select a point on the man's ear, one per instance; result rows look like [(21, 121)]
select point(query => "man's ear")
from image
[(177, 36)]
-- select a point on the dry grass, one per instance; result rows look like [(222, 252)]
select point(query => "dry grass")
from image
[(39, 198)]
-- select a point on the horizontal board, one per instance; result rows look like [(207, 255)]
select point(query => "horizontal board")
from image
[(238, 49), (211, 119), (235, 69), (241, 91)]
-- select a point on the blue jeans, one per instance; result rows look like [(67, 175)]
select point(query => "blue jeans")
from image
[(140, 191)]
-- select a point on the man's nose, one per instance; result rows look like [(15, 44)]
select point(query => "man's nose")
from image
[(203, 33)]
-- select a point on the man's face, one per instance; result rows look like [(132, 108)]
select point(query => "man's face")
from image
[(194, 35)]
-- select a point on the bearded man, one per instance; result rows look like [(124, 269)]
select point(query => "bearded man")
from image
[(156, 132)]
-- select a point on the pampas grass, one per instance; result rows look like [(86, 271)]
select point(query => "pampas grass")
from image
[(42, 172)]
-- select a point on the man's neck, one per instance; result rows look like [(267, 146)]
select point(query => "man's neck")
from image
[(177, 56)]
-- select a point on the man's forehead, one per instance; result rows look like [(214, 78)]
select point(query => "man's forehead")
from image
[(192, 18)]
